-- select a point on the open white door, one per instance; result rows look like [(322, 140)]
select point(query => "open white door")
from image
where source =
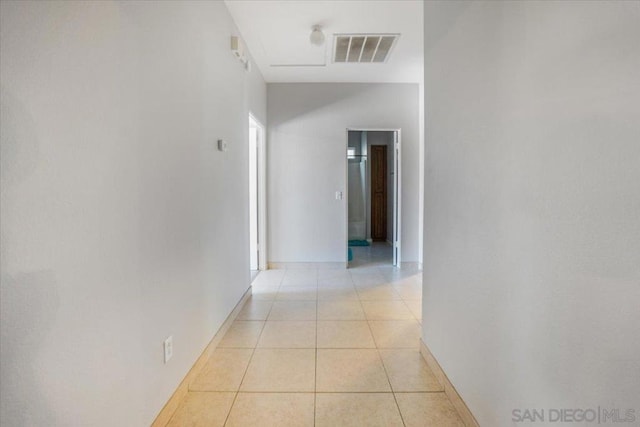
[(253, 195), (397, 181), (257, 196)]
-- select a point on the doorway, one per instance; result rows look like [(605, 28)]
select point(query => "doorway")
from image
[(257, 196), (373, 196)]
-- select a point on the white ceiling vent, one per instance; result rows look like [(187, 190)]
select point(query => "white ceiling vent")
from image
[(363, 48)]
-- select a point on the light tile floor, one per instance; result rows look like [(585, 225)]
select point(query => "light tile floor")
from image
[(323, 348)]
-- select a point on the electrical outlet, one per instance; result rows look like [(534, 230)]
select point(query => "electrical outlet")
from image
[(168, 349)]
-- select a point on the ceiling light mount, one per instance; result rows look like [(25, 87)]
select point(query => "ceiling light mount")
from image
[(317, 36)]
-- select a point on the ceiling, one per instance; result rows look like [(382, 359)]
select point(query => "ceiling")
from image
[(276, 32)]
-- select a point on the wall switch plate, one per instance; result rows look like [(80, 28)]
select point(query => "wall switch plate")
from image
[(223, 145), (168, 349), (338, 195)]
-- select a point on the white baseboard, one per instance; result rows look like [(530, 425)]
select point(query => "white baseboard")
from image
[(176, 398), (451, 392)]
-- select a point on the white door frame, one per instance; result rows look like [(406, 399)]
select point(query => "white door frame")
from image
[(397, 187), (262, 191)]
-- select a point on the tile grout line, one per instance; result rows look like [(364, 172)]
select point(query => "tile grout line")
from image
[(385, 371), (235, 398), (325, 392), (390, 386), (315, 374)]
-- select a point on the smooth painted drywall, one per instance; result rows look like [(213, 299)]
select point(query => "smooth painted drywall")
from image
[(532, 204), (307, 163), (122, 223)]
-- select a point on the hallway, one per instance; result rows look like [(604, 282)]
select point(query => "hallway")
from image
[(322, 347), (129, 179)]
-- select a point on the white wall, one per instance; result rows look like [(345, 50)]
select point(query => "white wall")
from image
[(532, 203), (121, 222), (307, 163)]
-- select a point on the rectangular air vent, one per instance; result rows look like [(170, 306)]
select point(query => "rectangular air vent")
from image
[(363, 48)]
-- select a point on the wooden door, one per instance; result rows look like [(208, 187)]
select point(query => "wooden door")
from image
[(379, 193)]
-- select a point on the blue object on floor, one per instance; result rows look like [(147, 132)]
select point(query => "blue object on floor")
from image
[(359, 243), (349, 254)]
